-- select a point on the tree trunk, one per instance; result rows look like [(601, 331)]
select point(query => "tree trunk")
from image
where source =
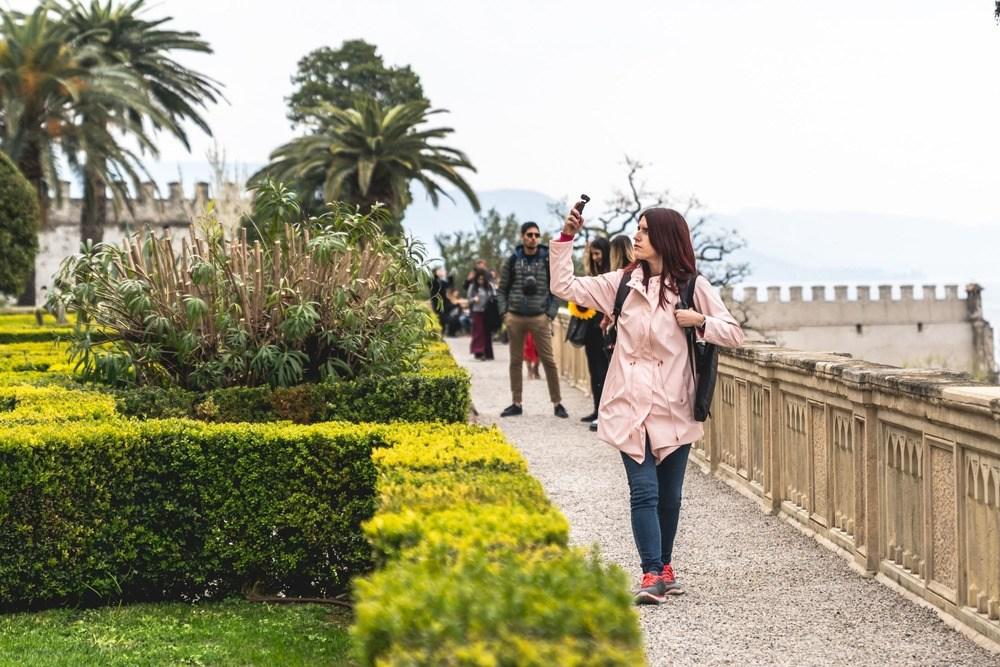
[(31, 167), (94, 213)]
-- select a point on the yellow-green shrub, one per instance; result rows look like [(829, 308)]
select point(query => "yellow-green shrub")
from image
[(24, 404), (37, 356), (23, 328), (431, 447), (548, 607), (476, 569), (396, 534), (432, 490)]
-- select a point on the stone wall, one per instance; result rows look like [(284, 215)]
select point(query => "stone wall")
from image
[(898, 469), (930, 331)]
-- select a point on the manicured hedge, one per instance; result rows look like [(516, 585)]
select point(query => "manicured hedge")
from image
[(475, 567), (439, 391), (23, 328), (177, 509), (25, 404)]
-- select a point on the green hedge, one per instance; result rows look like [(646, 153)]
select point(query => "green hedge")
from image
[(23, 328), (439, 391), (474, 564), (181, 510)]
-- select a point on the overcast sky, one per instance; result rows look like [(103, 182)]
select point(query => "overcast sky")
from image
[(888, 107)]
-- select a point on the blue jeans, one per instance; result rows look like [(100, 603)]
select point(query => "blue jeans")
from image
[(655, 498)]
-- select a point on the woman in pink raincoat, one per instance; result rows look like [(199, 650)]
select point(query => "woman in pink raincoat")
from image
[(646, 408)]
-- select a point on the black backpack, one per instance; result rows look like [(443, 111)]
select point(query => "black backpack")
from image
[(704, 356), (704, 361)]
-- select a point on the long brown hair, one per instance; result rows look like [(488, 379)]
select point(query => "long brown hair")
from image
[(621, 252), (670, 237), (598, 243)]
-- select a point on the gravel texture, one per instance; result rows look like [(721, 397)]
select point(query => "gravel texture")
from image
[(759, 592)]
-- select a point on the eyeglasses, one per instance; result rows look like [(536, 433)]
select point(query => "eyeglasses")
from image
[(533, 235)]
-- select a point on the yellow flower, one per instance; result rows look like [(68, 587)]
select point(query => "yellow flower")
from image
[(581, 313)]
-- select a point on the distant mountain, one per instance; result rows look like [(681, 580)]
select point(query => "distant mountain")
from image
[(864, 246)]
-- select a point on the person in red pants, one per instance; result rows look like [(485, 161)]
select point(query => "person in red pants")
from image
[(531, 356)]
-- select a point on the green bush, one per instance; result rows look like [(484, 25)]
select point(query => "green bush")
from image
[(475, 565), (181, 510), (331, 297), (19, 222), (549, 607), (439, 391)]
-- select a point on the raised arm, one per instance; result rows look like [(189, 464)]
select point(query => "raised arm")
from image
[(588, 291), (720, 326)]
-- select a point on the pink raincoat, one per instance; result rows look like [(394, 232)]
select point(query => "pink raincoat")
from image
[(649, 386)]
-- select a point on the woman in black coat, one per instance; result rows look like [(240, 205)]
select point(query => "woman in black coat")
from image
[(596, 260)]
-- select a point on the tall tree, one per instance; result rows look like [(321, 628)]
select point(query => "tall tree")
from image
[(123, 36), (366, 155), (713, 247), (342, 77), (46, 79), (19, 218), (493, 240)]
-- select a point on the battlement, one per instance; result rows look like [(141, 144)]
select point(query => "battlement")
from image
[(149, 208), (845, 294)]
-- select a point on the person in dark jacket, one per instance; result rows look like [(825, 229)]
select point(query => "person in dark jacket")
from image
[(439, 286), (527, 305)]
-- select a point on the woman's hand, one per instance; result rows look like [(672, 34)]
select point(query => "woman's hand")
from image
[(689, 318), (573, 223), (605, 324)]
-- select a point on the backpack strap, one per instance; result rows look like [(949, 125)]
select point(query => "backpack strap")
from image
[(620, 296), (688, 302), (510, 274)]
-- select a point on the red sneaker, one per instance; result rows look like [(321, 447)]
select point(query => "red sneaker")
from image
[(652, 590), (670, 585)]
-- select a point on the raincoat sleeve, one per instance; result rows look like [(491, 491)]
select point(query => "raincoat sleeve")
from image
[(588, 291), (720, 327)]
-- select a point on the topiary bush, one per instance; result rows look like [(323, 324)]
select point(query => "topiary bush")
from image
[(19, 222), (173, 509), (474, 568), (332, 298)]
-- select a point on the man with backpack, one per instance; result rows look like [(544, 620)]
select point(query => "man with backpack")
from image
[(528, 306)]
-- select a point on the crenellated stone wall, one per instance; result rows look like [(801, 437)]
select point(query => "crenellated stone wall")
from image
[(172, 214), (932, 329), (898, 469)]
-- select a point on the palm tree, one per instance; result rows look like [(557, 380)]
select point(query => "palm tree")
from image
[(42, 79), (46, 79), (174, 93), (366, 155)]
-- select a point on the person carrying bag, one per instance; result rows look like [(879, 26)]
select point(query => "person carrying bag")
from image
[(647, 410)]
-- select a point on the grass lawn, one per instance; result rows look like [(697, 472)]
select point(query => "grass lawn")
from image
[(233, 632)]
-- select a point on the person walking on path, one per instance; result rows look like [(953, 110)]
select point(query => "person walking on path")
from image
[(527, 305), (479, 295), (646, 410), (597, 260)]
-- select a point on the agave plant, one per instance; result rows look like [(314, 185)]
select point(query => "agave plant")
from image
[(333, 297)]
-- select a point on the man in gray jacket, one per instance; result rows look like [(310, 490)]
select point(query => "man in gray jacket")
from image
[(527, 305)]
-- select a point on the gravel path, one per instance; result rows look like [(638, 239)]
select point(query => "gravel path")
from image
[(759, 592)]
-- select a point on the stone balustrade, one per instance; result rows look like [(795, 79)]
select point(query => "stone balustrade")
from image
[(899, 469)]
